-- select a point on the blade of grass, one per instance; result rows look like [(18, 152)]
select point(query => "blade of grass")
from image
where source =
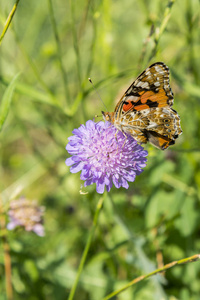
[(87, 246), (178, 184), (36, 95), (6, 253), (59, 53), (137, 242), (189, 87), (32, 92), (76, 45), (34, 69), (159, 30), (9, 20), (140, 278), (93, 45), (6, 100), (191, 40)]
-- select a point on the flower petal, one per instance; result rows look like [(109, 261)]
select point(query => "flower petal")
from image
[(104, 159), (124, 183), (69, 161), (77, 167), (100, 187), (85, 174)]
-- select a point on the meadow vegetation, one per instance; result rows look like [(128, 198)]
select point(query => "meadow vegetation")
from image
[(46, 56)]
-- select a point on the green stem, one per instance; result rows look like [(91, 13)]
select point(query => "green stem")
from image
[(140, 278), (163, 25), (76, 45), (6, 253), (35, 71), (9, 20), (84, 256), (59, 52), (167, 15), (92, 47)]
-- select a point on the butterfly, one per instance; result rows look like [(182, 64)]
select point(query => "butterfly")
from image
[(145, 110)]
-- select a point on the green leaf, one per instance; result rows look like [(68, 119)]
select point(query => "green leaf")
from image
[(6, 100)]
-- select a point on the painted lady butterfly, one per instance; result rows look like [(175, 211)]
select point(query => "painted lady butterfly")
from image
[(145, 110)]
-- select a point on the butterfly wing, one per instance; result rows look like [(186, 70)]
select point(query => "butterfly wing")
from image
[(145, 110), (150, 89), (159, 141)]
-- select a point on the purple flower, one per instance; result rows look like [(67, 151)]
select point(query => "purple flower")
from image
[(103, 158), (27, 214)]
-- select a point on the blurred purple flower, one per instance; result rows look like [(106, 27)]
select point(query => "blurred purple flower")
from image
[(27, 214), (103, 158)]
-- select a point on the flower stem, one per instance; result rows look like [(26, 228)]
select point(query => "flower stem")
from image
[(8, 21), (59, 52), (83, 258), (140, 278), (6, 250), (76, 44)]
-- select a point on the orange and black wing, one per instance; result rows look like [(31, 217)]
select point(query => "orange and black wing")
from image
[(150, 89)]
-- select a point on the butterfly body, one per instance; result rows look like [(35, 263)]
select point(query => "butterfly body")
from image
[(145, 111)]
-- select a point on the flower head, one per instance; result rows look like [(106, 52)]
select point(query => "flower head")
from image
[(27, 214), (104, 156)]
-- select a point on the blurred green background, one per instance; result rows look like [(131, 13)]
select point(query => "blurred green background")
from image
[(56, 46)]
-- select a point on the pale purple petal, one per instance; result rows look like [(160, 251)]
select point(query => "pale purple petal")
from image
[(69, 161), (27, 214), (85, 173), (77, 167), (39, 229), (11, 225), (100, 187), (124, 183)]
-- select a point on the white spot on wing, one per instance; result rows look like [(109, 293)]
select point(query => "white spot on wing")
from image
[(157, 83), (142, 84), (145, 84), (152, 125), (133, 98), (159, 70)]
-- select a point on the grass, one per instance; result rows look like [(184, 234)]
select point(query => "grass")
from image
[(56, 46)]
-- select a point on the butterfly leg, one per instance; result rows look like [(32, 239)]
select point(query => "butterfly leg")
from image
[(125, 139), (117, 140)]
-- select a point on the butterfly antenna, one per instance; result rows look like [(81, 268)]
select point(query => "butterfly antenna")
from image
[(90, 80)]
